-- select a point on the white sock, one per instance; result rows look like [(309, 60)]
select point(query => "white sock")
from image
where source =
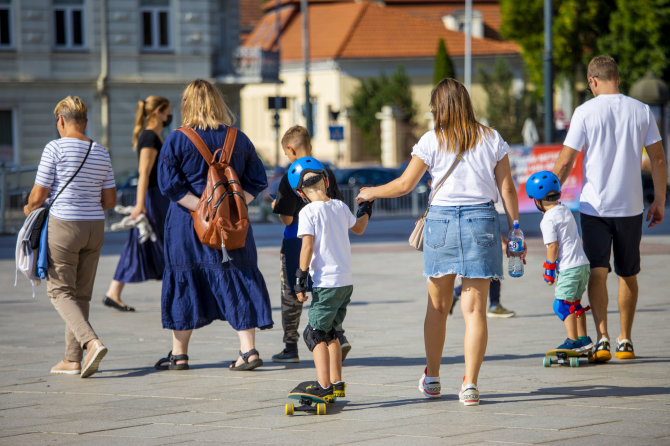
[(324, 388), (432, 379)]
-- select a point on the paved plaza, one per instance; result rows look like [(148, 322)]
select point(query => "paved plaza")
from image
[(128, 402)]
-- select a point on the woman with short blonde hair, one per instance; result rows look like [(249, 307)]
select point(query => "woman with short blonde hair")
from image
[(76, 179), (462, 234), (197, 287)]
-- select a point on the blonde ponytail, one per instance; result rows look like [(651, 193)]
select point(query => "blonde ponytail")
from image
[(146, 108), (139, 122)]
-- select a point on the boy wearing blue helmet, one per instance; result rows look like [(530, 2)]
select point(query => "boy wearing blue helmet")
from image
[(324, 225), (565, 258), (296, 144)]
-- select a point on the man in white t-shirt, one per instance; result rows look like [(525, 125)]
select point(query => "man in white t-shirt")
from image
[(612, 129)]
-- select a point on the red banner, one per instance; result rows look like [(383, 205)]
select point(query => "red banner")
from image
[(543, 157)]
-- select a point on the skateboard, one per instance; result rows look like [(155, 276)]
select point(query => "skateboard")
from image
[(564, 357), (308, 403)]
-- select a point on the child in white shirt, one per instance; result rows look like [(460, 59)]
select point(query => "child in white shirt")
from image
[(323, 225), (565, 258)]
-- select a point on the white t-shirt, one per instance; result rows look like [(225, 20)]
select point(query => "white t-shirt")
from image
[(558, 225), (473, 180), (612, 129), (81, 199), (329, 223)]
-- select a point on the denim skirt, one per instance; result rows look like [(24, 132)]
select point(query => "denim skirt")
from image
[(462, 240)]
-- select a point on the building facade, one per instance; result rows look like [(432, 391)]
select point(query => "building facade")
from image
[(353, 40), (111, 53)]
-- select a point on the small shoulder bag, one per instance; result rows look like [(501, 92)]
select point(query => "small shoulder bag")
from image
[(416, 237), (42, 217)]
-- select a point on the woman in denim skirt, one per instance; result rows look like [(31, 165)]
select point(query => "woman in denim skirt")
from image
[(462, 232)]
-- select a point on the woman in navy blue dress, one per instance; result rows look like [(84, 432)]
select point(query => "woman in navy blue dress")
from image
[(144, 261), (197, 287)]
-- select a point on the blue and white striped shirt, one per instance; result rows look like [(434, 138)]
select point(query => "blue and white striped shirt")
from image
[(81, 200)]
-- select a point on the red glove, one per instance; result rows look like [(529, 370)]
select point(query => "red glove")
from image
[(549, 274)]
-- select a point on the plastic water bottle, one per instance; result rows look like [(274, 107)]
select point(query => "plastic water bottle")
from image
[(515, 249)]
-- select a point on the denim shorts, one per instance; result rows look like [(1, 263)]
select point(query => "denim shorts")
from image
[(462, 240)]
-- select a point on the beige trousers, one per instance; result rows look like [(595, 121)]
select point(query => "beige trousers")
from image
[(74, 250)]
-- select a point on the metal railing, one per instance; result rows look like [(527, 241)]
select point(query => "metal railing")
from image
[(13, 197), (14, 189)]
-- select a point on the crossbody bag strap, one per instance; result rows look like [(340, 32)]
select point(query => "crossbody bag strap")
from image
[(75, 174), (229, 143), (459, 157), (198, 143)]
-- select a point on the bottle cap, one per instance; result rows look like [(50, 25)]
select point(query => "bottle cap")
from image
[(515, 225)]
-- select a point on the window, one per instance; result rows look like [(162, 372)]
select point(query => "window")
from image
[(69, 24), (5, 24), (6, 136), (155, 22)]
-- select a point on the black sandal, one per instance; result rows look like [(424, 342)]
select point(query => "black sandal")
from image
[(246, 365), (172, 360)]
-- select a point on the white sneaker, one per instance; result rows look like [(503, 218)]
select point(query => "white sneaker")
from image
[(431, 390), (469, 395)]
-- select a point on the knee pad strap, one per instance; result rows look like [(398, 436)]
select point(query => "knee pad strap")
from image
[(314, 337), (564, 308)]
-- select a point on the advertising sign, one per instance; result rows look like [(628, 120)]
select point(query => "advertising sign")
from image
[(543, 157)]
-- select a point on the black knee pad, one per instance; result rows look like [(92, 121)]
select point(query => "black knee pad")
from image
[(314, 337)]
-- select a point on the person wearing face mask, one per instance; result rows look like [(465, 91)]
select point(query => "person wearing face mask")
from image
[(141, 261)]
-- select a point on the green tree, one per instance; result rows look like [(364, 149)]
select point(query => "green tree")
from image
[(577, 26), (444, 67), (638, 39), (505, 111), (369, 98)]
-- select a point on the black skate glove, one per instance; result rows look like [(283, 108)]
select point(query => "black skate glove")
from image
[(365, 208), (300, 281)]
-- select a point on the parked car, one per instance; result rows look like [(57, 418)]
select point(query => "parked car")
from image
[(365, 176)]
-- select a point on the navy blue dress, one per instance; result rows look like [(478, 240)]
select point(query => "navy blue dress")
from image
[(197, 287), (144, 261)]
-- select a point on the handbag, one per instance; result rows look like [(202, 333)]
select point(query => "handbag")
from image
[(416, 237)]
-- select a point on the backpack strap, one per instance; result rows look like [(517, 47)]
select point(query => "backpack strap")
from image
[(198, 143), (229, 144)]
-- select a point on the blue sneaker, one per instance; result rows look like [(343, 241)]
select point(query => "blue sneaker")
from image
[(569, 344), (585, 344)]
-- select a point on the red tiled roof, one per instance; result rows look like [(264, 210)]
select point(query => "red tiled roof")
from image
[(342, 30)]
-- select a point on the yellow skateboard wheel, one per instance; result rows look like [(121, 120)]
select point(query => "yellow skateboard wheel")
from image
[(289, 409), (321, 409)]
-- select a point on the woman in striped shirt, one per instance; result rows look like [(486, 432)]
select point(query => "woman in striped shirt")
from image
[(76, 229)]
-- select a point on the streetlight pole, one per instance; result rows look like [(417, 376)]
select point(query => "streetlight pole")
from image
[(548, 75), (305, 55), (468, 44), (276, 114)]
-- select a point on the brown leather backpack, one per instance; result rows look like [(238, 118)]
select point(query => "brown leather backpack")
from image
[(221, 218)]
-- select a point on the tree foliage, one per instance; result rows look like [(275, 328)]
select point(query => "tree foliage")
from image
[(505, 110), (369, 98), (577, 26), (444, 67), (638, 39)]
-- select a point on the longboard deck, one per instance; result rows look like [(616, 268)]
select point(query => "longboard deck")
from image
[(308, 403), (565, 352), (564, 357), (300, 396)]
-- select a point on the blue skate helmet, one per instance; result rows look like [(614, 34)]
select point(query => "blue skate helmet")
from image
[(300, 167), (543, 185)]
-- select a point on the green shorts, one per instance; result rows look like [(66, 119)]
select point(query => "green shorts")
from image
[(329, 307), (572, 283)]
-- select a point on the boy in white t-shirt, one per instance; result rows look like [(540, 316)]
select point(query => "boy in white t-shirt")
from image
[(565, 258), (323, 225)]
